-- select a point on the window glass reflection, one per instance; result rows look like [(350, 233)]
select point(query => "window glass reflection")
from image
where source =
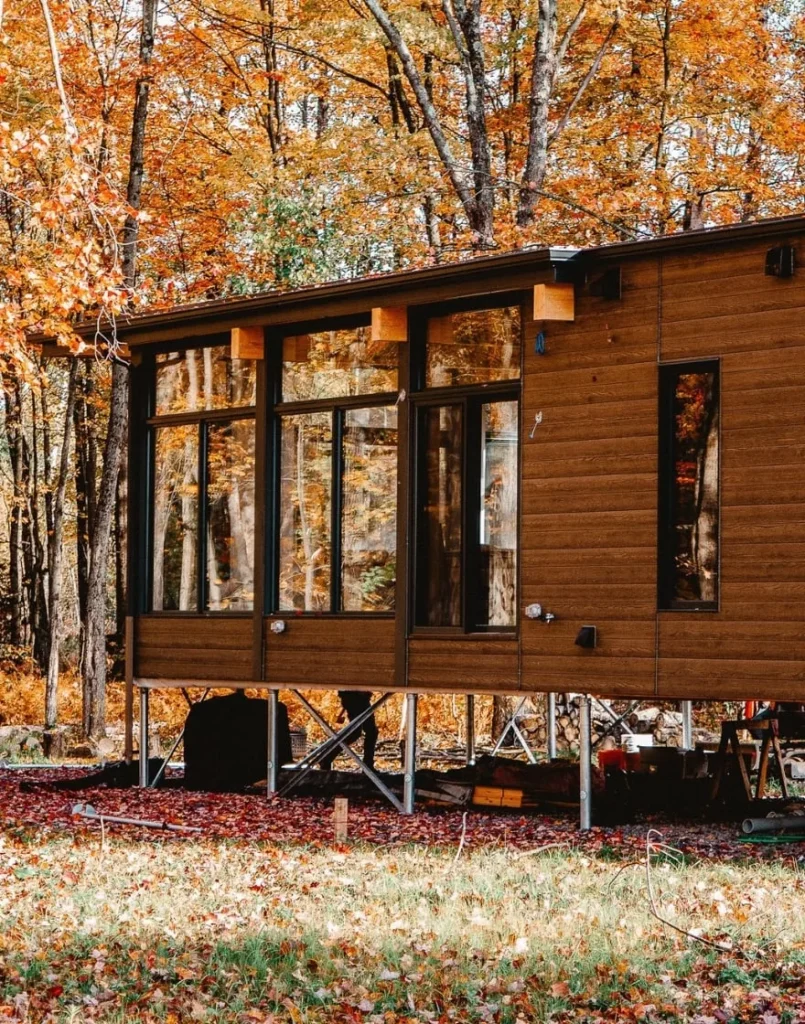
[(689, 544), (305, 509), (369, 510), (332, 364), (473, 347), (440, 511), (230, 516), (203, 379), (175, 580), (498, 520)]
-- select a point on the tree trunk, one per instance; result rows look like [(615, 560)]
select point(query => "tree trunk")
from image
[(543, 72), (502, 710), (95, 626), (55, 538)]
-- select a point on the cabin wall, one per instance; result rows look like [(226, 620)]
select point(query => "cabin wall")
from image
[(193, 647), (589, 501), (337, 652), (722, 304), (589, 492)]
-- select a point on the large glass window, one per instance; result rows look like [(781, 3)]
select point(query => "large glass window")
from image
[(337, 515), (467, 479), (203, 483), (689, 486), (473, 347), (467, 497)]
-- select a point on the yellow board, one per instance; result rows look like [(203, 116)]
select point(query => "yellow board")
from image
[(497, 796)]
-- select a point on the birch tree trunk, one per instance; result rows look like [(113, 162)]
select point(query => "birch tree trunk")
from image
[(95, 660), (55, 539)]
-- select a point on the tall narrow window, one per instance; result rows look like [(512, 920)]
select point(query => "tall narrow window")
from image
[(305, 513), (230, 516), (689, 486), (369, 510), (175, 565), (337, 514), (498, 515), (202, 555), (467, 457), (439, 543)]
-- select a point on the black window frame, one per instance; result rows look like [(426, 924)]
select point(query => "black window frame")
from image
[(472, 397), (337, 407), (203, 419), (668, 374)]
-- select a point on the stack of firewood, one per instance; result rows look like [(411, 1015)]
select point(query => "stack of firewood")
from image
[(664, 725)]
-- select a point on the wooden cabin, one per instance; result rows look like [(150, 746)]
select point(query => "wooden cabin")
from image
[(433, 480)]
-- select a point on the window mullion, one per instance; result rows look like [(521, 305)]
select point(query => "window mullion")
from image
[(472, 510), (336, 503), (201, 514)]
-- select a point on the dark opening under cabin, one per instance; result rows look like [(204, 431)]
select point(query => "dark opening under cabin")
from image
[(541, 471)]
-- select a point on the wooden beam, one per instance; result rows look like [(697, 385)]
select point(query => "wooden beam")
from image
[(389, 323), (248, 343), (554, 302)]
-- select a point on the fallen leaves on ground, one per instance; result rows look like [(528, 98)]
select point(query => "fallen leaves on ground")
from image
[(262, 918), (306, 820)]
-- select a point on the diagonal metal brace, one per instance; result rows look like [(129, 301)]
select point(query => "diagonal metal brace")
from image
[(512, 725), (339, 739), (616, 718), (155, 781)]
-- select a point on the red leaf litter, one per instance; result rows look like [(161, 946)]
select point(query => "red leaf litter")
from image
[(46, 811)]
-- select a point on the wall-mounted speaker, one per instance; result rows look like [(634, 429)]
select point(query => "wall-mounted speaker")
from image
[(587, 637)]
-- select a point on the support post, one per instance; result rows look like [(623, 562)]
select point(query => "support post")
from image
[(143, 737), (128, 724), (550, 726), (686, 707), (272, 767), (585, 765), (470, 728), (409, 776)]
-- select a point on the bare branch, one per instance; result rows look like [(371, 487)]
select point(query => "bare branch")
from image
[(592, 72), (429, 112), (67, 115)]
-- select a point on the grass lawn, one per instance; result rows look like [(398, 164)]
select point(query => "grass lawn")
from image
[(138, 929)]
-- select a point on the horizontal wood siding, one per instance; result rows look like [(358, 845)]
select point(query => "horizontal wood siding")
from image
[(460, 664), (754, 646), (193, 647), (589, 494), (341, 652)]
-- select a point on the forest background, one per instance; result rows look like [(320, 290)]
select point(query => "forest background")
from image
[(155, 153)]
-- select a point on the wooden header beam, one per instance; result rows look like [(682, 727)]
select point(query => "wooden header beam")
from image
[(389, 323), (248, 343), (554, 302)]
